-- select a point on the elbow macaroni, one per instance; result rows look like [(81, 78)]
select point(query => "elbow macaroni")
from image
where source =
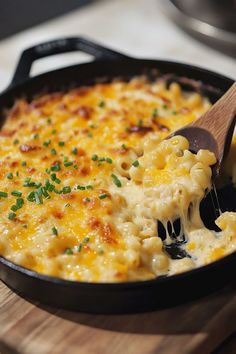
[(85, 176)]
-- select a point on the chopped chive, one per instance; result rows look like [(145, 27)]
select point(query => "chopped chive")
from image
[(57, 191), (17, 173), (67, 205), (38, 198), (82, 188), (155, 113), (101, 104), (103, 196), (54, 231), (11, 216), (135, 163), (47, 142), (53, 152), (74, 151), (87, 199), (90, 135), (124, 146), (61, 143), (48, 186), (108, 160), (54, 131), (174, 112), (56, 167), (94, 157), (16, 141), (92, 126), (76, 167), (116, 180), (23, 163), (79, 248), (86, 239), (68, 163), (66, 190), (3, 194), (16, 193), (31, 197), (68, 251), (43, 191), (53, 176), (29, 183), (10, 175), (14, 208), (49, 121), (164, 106), (89, 186), (19, 203), (36, 136)]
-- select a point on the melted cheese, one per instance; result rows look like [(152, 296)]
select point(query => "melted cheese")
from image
[(85, 176)]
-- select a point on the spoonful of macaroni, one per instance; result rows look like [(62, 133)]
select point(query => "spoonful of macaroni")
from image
[(214, 129)]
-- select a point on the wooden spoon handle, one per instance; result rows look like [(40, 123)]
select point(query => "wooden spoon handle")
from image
[(220, 121)]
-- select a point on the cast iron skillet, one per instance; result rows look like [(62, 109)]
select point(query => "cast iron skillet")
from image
[(122, 297)]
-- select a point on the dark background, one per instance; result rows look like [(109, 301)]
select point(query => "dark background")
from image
[(17, 15)]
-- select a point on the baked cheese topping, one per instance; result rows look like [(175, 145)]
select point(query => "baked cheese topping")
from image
[(86, 175)]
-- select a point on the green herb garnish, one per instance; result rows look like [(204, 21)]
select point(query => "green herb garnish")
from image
[(94, 157), (82, 188), (11, 216), (47, 142), (74, 151), (68, 163), (116, 180), (108, 160), (3, 194), (56, 167), (102, 104), (54, 231), (53, 152), (68, 251), (135, 163), (103, 196), (10, 175), (16, 193), (66, 190)]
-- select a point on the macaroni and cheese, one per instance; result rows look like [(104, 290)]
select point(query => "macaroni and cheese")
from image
[(86, 176)]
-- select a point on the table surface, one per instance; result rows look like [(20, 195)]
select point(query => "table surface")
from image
[(138, 28), (198, 327)]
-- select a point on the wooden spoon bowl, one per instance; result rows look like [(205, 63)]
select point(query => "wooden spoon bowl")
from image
[(214, 129)]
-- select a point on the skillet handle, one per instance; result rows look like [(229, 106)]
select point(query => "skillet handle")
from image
[(58, 46)]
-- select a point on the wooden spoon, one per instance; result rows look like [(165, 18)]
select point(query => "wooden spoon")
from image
[(214, 129)]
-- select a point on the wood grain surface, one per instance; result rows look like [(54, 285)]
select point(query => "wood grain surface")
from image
[(197, 328)]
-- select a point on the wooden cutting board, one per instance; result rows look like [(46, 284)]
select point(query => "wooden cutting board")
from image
[(197, 328)]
